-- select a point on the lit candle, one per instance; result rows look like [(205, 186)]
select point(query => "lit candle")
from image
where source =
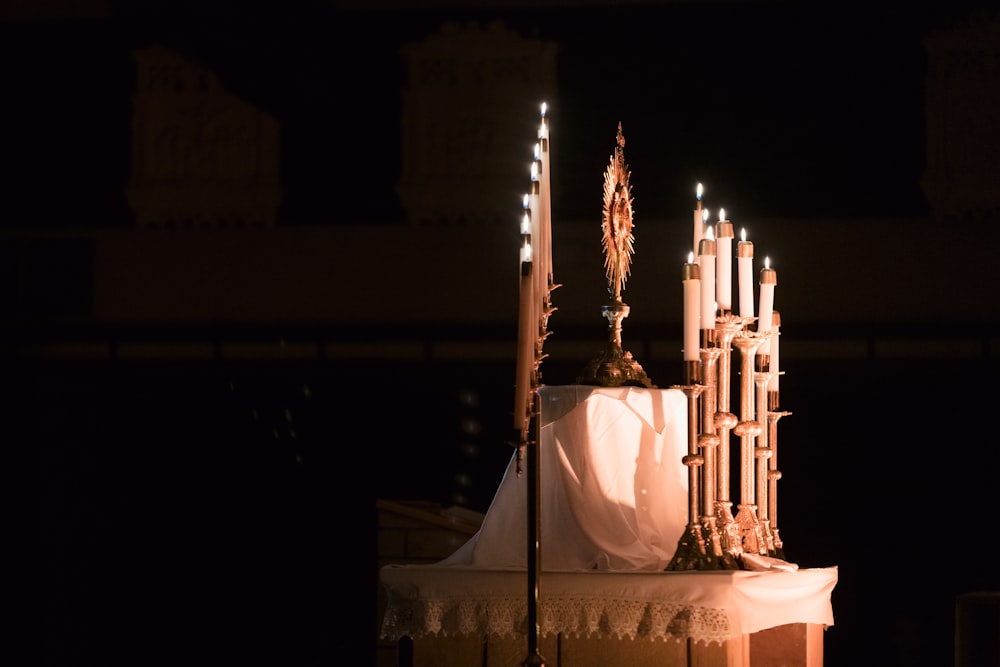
[(545, 196), (691, 281), (699, 223), (526, 335), (706, 253), (526, 217), (772, 384), (724, 262), (744, 260), (538, 246), (768, 279)]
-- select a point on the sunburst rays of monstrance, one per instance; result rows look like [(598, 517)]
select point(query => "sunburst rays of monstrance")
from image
[(613, 366)]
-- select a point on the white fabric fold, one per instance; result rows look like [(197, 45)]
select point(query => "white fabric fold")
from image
[(613, 489)]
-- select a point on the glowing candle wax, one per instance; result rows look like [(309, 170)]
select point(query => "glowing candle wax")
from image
[(724, 262), (772, 384), (535, 211), (744, 260), (699, 221), (545, 197), (691, 281), (526, 219), (706, 259), (768, 280), (526, 335)]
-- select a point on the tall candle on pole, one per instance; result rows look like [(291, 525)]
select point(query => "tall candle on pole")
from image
[(724, 263), (526, 335), (537, 228), (545, 196)]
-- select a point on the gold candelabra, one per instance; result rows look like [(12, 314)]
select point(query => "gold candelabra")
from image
[(713, 537), (692, 553), (727, 326), (774, 474)]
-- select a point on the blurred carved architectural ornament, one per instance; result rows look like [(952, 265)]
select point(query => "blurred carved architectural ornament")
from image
[(201, 157), (963, 121), (463, 158)]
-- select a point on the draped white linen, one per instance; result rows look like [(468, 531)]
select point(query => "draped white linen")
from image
[(613, 490), (613, 502)]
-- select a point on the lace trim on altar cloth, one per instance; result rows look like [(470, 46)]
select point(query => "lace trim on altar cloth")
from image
[(577, 617)]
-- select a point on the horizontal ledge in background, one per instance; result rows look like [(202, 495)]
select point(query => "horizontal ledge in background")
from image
[(167, 350)]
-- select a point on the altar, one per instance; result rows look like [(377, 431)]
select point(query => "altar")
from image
[(611, 538), (612, 508)]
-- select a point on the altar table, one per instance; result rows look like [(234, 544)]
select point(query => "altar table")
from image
[(613, 505)]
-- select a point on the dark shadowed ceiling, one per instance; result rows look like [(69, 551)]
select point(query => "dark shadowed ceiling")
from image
[(782, 109)]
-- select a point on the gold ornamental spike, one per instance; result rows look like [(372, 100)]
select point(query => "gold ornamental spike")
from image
[(617, 221)]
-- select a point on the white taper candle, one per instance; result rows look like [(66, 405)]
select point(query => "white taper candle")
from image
[(768, 280), (724, 262), (772, 384), (744, 261), (691, 281), (706, 259), (699, 222)]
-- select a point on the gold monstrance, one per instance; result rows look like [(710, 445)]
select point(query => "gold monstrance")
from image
[(613, 367)]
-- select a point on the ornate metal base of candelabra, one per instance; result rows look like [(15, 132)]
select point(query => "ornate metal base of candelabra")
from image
[(729, 534), (613, 366), (779, 547), (691, 553), (765, 531), (751, 534)]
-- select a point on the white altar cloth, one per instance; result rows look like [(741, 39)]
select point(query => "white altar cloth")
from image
[(613, 505), (705, 606), (613, 491)]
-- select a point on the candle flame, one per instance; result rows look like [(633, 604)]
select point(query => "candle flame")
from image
[(525, 198), (699, 191), (538, 149), (767, 262), (743, 234), (704, 215), (526, 223), (534, 171), (526, 251), (691, 257), (722, 214), (545, 108), (709, 234)]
